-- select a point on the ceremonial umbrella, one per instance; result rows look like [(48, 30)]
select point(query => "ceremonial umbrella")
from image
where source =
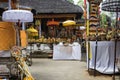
[(68, 23), (17, 16), (113, 6)]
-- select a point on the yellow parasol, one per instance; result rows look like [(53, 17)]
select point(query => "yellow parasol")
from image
[(32, 32), (68, 23), (31, 29)]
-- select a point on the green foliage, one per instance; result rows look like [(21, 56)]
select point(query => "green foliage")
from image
[(107, 20), (113, 23), (80, 2), (103, 20), (71, 1)]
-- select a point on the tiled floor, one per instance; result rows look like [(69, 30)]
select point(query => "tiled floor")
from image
[(48, 69)]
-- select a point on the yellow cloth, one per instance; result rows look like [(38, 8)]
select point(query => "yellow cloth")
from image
[(28, 78), (90, 52), (23, 37), (7, 35)]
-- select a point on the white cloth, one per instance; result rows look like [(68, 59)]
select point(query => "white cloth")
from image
[(67, 52), (119, 14), (5, 53), (44, 47), (105, 56), (41, 47)]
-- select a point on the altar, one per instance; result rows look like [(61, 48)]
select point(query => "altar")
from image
[(71, 51), (105, 56)]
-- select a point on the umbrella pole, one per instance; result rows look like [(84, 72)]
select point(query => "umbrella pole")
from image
[(18, 33), (96, 46), (19, 39), (9, 5), (40, 30), (115, 49), (88, 45), (114, 58)]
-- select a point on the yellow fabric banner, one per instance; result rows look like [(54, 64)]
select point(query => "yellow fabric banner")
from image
[(7, 35), (23, 37)]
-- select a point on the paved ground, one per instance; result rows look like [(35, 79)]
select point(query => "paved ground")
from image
[(48, 69)]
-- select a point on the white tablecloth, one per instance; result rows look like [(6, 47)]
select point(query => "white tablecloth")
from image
[(41, 47), (67, 52), (105, 56)]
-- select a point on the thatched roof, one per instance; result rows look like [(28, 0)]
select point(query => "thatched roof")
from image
[(49, 7), (52, 6), (6, 0), (3, 0)]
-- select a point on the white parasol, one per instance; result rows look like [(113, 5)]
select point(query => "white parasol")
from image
[(17, 15)]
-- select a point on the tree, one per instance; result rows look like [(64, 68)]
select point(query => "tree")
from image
[(103, 20), (80, 3), (107, 19)]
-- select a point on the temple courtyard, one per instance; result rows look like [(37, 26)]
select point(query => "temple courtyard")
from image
[(49, 69)]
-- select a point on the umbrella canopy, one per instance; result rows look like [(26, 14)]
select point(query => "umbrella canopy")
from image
[(31, 29), (68, 23), (32, 32), (15, 15), (52, 23), (111, 5)]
